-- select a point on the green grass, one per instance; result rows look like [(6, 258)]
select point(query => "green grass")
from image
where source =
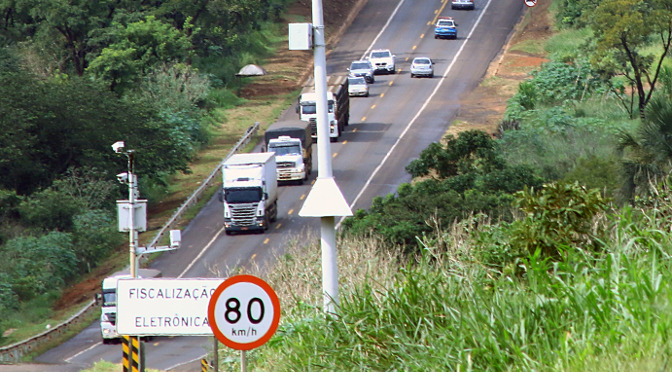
[(591, 311), (566, 44)]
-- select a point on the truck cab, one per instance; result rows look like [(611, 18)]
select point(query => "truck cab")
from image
[(249, 192), (107, 299), (308, 112)]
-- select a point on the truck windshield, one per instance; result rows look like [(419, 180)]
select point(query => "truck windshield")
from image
[(311, 108), (243, 195), (110, 297), (284, 149)]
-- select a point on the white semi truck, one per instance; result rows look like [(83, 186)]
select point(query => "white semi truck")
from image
[(338, 105), (293, 147), (249, 192), (108, 302)]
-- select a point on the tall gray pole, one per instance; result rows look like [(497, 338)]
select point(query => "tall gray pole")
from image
[(325, 200), (324, 170), (131, 218)]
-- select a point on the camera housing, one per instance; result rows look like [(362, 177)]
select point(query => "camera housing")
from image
[(118, 147), (122, 177)]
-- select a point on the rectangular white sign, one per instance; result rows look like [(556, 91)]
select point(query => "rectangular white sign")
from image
[(164, 306)]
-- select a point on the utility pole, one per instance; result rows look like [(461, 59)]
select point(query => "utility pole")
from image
[(325, 199)]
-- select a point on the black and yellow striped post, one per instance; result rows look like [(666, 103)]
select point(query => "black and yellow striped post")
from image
[(205, 366), (132, 354)]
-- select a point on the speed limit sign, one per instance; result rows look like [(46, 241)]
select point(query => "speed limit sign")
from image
[(244, 312)]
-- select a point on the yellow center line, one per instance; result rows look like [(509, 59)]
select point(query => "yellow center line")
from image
[(439, 12), (414, 47), (290, 211), (335, 155), (254, 255), (267, 240), (422, 36), (407, 58), (354, 130), (302, 197), (373, 107), (382, 95), (364, 118), (344, 142), (313, 182), (391, 82), (278, 226)]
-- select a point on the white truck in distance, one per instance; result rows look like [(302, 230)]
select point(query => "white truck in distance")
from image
[(292, 144), (249, 192), (338, 106), (108, 302)]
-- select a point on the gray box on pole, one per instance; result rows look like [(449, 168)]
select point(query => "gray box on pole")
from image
[(139, 217), (300, 36)]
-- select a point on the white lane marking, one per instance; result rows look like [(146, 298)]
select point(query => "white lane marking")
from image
[(389, 20), (82, 352), (424, 106), (191, 264)]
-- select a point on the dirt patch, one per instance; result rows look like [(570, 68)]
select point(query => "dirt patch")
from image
[(484, 107)]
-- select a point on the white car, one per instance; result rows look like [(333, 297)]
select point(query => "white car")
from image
[(462, 4), (363, 69), (422, 66), (382, 60), (357, 86)]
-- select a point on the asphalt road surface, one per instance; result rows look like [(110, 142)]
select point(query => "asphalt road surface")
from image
[(387, 130)]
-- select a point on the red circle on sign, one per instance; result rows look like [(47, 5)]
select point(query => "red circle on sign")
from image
[(530, 3), (275, 302)]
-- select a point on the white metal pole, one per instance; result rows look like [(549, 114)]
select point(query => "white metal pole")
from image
[(320, 77), (131, 220), (329, 264), (324, 170)]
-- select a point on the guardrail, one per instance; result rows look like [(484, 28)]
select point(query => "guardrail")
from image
[(13, 353)]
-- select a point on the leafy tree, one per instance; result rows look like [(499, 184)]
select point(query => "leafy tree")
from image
[(647, 154), (38, 264), (70, 24), (557, 216), (469, 176), (136, 49), (624, 28)]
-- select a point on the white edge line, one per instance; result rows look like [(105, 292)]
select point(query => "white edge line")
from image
[(82, 352), (408, 127), (382, 30)]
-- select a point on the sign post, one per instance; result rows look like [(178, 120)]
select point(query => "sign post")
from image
[(244, 312)]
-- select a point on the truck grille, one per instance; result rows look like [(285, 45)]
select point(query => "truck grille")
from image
[(285, 164), (243, 214)]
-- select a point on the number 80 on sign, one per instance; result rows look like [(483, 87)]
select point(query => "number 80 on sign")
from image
[(244, 312)]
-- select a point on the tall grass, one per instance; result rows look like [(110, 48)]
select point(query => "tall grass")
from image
[(444, 310)]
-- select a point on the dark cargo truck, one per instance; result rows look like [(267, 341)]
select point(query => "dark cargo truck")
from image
[(292, 144)]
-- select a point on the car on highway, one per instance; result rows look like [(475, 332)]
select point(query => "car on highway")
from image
[(422, 66), (382, 60), (364, 69), (445, 28), (462, 4), (357, 86)]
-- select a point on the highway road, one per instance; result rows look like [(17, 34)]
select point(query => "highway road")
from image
[(387, 130)]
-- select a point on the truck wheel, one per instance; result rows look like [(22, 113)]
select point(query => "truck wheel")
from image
[(333, 139), (274, 214)]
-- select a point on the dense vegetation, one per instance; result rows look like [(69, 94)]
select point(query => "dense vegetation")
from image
[(547, 248), (75, 77)]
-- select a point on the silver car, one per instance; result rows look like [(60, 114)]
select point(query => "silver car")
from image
[(363, 69), (422, 66), (357, 86)]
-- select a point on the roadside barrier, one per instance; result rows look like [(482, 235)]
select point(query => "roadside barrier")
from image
[(12, 354)]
